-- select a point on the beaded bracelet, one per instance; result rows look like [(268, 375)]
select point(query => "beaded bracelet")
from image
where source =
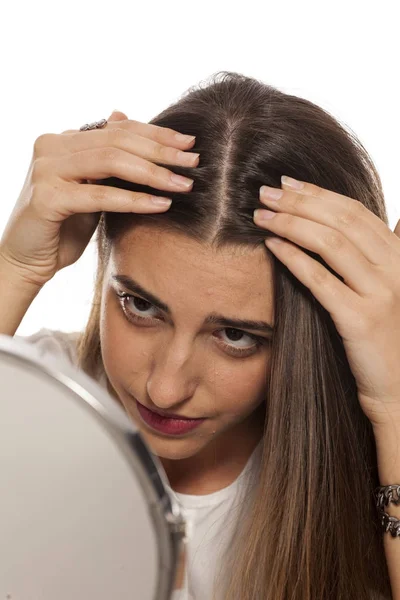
[(384, 495)]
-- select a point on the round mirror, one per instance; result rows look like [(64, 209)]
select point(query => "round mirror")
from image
[(84, 511)]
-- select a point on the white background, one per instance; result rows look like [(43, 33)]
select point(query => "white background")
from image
[(65, 64)]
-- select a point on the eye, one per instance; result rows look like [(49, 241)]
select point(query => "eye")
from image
[(140, 306), (257, 341)]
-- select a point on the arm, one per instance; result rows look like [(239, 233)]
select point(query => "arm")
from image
[(16, 296), (388, 455)]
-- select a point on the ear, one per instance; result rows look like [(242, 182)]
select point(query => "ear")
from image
[(397, 229), (117, 115)]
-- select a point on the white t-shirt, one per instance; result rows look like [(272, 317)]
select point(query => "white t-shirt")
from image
[(210, 517)]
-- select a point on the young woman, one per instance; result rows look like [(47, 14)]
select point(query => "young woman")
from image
[(247, 367)]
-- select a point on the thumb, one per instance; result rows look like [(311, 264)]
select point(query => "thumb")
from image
[(117, 115)]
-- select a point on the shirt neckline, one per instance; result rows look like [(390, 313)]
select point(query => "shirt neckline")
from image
[(198, 501)]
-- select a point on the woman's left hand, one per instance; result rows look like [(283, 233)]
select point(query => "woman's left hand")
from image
[(366, 306)]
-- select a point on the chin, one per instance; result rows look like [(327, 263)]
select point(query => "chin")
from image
[(173, 448), (176, 453)]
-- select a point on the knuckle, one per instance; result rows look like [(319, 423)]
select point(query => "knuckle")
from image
[(319, 275), (43, 195), (129, 125), (37, 191), (74, 137), (39, 169), (288, 220), (333, 240), (297, 201), (152, 170), (98, 195), (116, 136), (42, 143), (160, 152), (390, 300), (353, 213), (107, 154), (368, 318), (317, 190), (383, 299), (140, 197)]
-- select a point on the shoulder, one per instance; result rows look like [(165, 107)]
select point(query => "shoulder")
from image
[(54, 342)]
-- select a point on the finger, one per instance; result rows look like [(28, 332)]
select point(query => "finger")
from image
[(98, 198), (335, 248), (162, 135), (334, 295), (113, 162), (117, 115), (350, 217), (130, 142)]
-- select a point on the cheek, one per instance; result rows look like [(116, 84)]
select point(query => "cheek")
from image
[(124, 352), (237, 390)]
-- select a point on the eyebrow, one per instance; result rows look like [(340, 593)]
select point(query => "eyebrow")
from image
[(213, 318)]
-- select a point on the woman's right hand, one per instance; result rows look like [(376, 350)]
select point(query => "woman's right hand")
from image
[(59, 206)]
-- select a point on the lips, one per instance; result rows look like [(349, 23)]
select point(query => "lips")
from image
[(167, 425), (169, 415)]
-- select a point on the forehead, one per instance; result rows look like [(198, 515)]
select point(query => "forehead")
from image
[(171, 264)]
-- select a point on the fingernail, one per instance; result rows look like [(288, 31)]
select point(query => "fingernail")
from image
[(181, 181), (293, 183), (188, 157), (184, 138), (269, 192), (261, 215), (158, 201)]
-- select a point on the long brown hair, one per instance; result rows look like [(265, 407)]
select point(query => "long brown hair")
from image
[(310, 530)]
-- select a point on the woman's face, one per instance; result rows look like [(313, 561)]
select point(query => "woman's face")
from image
[(170, 359)]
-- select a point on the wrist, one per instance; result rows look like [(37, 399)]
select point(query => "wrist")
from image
[(387, 441), (17, 294), (19, 276)]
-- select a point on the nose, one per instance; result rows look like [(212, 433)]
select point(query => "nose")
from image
[(172, 381)]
